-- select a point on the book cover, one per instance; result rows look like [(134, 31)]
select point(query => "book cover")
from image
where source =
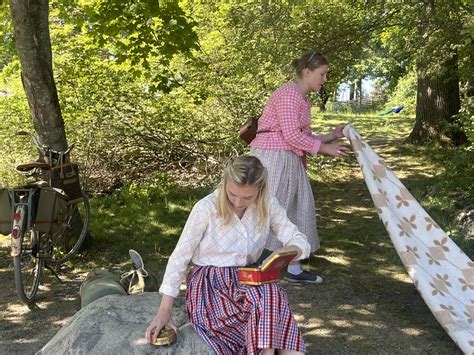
[(268, 272)]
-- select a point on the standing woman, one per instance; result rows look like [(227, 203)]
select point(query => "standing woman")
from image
[(283, 140), (227, 229)]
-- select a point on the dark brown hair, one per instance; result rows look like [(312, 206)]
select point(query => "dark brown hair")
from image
[(310, 60)]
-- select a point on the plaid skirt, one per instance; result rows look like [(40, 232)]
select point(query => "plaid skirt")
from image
[(239, 319), (288, 181)]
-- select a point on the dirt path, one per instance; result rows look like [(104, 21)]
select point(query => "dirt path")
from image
[(367, 303), (25, 331)]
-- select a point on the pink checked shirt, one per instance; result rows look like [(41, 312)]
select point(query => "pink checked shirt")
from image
[(287, 116)]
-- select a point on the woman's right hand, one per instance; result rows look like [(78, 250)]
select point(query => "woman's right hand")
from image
[(162, 318), (335, 149)]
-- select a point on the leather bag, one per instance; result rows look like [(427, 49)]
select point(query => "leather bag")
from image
[(66, 178), (249, 130)]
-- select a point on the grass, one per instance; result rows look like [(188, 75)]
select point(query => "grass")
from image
[(441, 178), (147, 218), (357, 257)]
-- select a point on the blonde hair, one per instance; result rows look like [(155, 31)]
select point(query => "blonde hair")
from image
[(311, 60), (247, 171)]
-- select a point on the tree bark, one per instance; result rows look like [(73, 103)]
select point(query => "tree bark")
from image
[(31, 31), (323, 99), (437, 103), (351, 91), (30, 20), (358, 91)]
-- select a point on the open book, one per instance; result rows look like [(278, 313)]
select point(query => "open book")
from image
[(268, 272)]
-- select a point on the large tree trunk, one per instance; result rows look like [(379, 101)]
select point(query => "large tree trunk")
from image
[(323, 99), (31, 29), (437, 102), (32, 39)]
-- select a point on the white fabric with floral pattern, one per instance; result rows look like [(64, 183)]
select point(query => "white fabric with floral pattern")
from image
[(441, 272)]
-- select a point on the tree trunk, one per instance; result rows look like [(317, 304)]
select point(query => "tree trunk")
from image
[(358, 90), (323, 99), (351, 91), (31, 31), (436, 104)]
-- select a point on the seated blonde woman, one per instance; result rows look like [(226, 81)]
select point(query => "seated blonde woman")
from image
[(226, 230)]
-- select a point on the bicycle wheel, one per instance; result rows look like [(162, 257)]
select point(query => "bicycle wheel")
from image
[(27, 267), (66, 240)]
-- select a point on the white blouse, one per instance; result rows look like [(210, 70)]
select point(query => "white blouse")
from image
[(207, 241)]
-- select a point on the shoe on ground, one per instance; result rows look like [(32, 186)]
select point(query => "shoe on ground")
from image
[(305, 276), (137, 260)]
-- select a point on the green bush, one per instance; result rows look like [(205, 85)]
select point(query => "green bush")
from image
[(404, 94)]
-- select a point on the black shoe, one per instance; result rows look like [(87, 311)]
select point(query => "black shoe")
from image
[(303, 277)]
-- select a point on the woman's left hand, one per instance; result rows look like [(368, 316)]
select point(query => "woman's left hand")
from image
[(338, 130)]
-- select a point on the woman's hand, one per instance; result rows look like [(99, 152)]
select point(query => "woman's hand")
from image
[(335, 149), (162, 318), (335, 134), (338, 130)]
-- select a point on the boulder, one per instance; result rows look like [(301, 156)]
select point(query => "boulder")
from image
[(116, 324)]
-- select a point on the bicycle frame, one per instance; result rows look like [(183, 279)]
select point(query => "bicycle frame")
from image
[(22, 200), (42, 217)]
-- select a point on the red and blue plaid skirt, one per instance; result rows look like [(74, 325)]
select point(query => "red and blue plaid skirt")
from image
[(239, 319)]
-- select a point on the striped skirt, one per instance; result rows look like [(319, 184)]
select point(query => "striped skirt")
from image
[(239, 319), (288, 181)]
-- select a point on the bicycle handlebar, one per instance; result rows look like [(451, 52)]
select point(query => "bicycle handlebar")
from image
[(43, 148)]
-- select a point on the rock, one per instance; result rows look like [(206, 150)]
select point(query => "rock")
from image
[(116, 324)]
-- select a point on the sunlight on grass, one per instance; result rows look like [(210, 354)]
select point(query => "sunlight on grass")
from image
[(341, 323), (340, 260), (173, 207), (370, 324), (334, 251), (17, 309), (61, 322), (25, 341), (320, 332), (299, 318), (355, 337), (402, 277), (363, 311), (411, 331), (4, 240)]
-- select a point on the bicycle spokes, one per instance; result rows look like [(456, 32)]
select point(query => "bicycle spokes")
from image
[(27, 267)]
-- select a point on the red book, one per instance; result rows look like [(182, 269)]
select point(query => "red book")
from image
[(268, 272)]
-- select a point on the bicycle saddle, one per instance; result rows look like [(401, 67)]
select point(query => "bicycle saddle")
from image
[(37, 184), (33, 165)]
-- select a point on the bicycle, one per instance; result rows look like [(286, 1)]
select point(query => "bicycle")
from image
[(45, 212)]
